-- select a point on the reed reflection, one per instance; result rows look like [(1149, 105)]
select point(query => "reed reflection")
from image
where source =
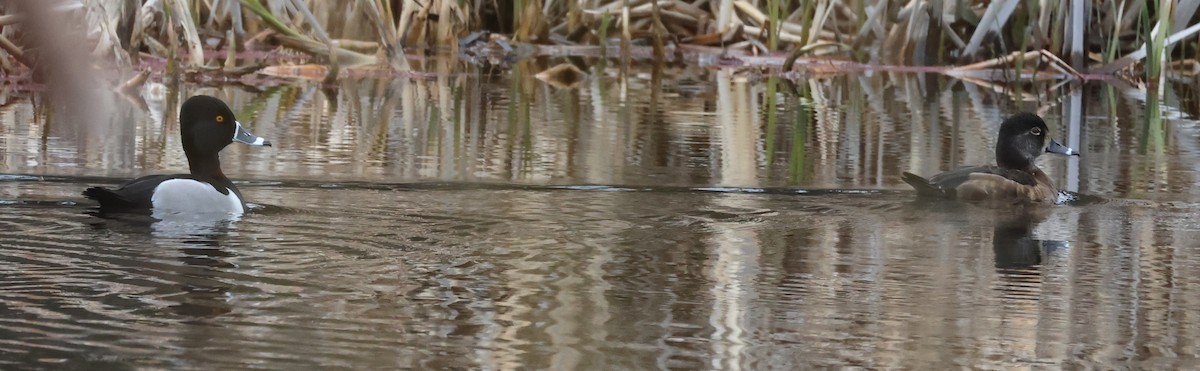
[(642, 129)]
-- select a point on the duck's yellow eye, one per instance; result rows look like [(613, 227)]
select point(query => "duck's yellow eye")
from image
[(1034, 131), (220, 119)]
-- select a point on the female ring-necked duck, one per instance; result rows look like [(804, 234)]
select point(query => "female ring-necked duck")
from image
[(207, 126), (1014, 179)]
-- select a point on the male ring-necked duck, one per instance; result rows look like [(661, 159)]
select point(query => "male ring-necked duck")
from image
[(1014, 179), (207, 126)]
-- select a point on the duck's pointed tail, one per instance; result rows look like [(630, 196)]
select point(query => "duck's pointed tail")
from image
[(108, 199), (923, 186)]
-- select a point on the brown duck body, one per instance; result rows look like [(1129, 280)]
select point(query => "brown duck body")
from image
[(987, 184), (1014, 179)]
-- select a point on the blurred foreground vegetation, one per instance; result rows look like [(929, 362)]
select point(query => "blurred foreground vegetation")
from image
[(986, 39)]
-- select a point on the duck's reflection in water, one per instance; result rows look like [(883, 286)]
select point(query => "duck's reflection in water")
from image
[(199, 237), (1013, 241), (1023, 263), (196, 241)]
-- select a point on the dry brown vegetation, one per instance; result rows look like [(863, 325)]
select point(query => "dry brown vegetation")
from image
[(1013, 39)]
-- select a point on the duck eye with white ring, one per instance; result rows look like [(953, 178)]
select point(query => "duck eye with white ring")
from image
[(1034, 131)]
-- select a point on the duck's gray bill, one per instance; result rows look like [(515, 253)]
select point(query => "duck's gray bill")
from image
[(1054, 147), (241, 135)]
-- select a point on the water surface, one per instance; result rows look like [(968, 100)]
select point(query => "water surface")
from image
[(678, 218)]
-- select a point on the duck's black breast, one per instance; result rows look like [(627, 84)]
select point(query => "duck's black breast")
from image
[(137, 194), (987, 183)]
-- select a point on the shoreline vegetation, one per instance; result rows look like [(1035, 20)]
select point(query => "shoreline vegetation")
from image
[(1143, 42)]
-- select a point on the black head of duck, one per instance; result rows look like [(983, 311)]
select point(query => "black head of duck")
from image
[(206, 126), (1014, 179)]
